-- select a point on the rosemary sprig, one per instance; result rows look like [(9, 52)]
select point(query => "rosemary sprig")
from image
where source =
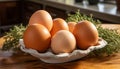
[(12, 37), (79, 17), (113, 39), (111, 36)]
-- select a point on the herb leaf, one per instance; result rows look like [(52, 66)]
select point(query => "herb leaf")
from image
[(12, 37)]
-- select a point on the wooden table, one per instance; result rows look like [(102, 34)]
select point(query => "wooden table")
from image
[(21, 60)]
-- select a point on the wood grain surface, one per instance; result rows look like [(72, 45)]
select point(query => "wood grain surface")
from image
[(20, 60)]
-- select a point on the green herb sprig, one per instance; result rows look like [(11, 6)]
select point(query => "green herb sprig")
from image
[(113, 39), (79, 17), (111, 36), (12, 37)]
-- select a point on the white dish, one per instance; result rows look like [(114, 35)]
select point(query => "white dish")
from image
[(50, 57)]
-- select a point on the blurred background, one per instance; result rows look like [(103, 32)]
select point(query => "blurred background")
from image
[(14, 12)]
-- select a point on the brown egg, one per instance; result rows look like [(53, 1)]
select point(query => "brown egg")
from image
[(42, 17), (71, 26), (63, 42), (37, 37), (59, 24), (86, 34)]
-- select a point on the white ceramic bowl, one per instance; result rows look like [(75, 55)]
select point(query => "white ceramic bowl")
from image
[(50, 57)]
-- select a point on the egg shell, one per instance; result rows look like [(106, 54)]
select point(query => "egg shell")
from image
[(58, 24), (42, 17), (63, 42), (37, 37), (71, 26), (86, 34)]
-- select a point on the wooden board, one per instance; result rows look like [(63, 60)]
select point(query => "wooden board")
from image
[(21, 60)]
